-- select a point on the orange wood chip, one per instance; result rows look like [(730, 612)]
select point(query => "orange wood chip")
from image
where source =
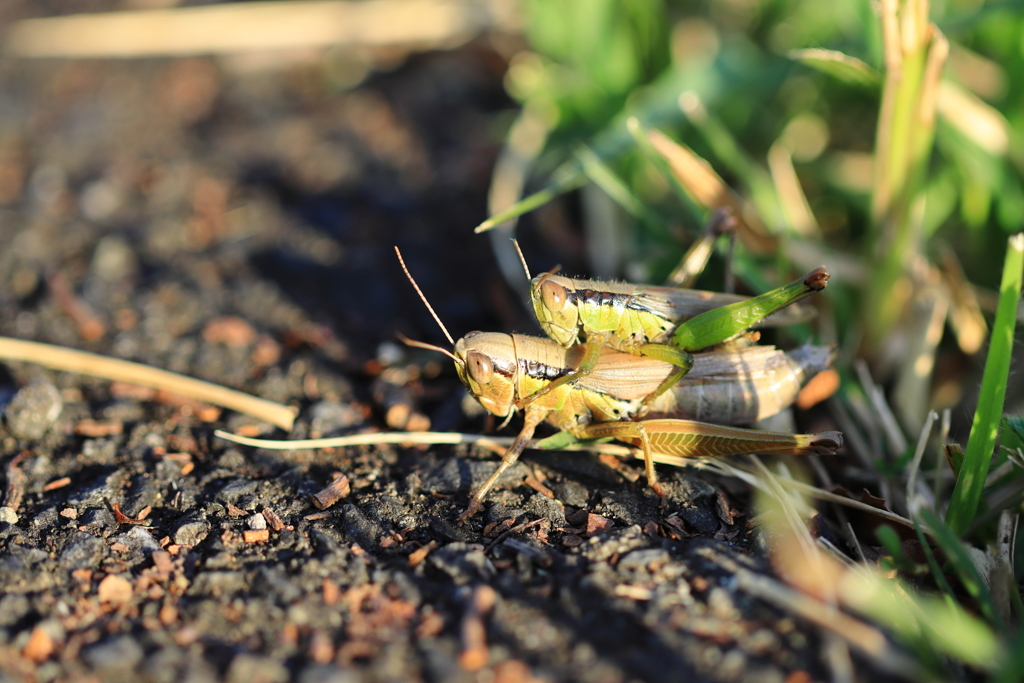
[(39, 646), (234, 511), (162, 562), (168, 614), (514, 671), (321, 649), (97, 428), (256, 535), (333, 492), (266, 353), (122, 518), (417, 556), (537, 486), (596, 523), (331, 592), (229, 330), (114, 589), (251, 431), (273, 520)]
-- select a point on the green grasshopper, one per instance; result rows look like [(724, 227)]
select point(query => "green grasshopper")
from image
[(665, 323), (510, 372)]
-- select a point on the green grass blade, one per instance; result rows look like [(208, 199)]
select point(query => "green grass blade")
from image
[(693, 212), (930, 625), (604, 177), (842, 67), (1012, 669), (957, 554), (969, 485), (940, 579), (559, 186)]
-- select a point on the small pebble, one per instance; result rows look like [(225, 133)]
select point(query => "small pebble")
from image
[(33, 409), (246, 668), (328, 673), (330, 417), (114, 259), (8, 515), (119, 654), (192, 530), (257, 522)]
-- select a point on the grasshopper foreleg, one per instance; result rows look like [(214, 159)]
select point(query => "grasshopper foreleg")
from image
[(531, 419)]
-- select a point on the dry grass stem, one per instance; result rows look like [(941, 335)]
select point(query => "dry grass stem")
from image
[(915, 465), (887, 421), (708, 189), (117, 370), (256, 26)]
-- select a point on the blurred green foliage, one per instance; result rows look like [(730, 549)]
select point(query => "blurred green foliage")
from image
[(593, 63)]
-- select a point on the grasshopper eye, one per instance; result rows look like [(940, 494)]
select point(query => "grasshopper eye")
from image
[(479, 366), (553, 295)]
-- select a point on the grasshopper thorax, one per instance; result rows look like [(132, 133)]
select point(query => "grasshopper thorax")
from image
[(486, 363), (554, 305)]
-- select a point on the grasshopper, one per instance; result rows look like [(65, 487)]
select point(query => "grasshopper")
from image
[(665, 323), (668, 323), (506, 373)]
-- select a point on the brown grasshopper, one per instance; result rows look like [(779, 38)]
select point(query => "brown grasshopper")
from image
[(506, 373)]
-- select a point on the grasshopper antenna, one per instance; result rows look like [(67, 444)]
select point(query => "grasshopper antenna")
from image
[(522, 259), (428, 347), (427, 304)]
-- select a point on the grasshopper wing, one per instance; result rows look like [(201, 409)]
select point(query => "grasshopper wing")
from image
[(625, 376), (742, 386)]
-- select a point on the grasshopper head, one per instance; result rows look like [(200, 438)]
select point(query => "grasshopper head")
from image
[(554, 305), (486, 363)]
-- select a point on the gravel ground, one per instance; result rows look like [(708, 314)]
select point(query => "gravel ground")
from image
[(236, 225)]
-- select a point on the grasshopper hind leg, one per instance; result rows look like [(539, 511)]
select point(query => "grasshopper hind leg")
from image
[(630, 432), (652, 478), (669, 354)]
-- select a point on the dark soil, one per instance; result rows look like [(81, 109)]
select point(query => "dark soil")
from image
[(237, 226)]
